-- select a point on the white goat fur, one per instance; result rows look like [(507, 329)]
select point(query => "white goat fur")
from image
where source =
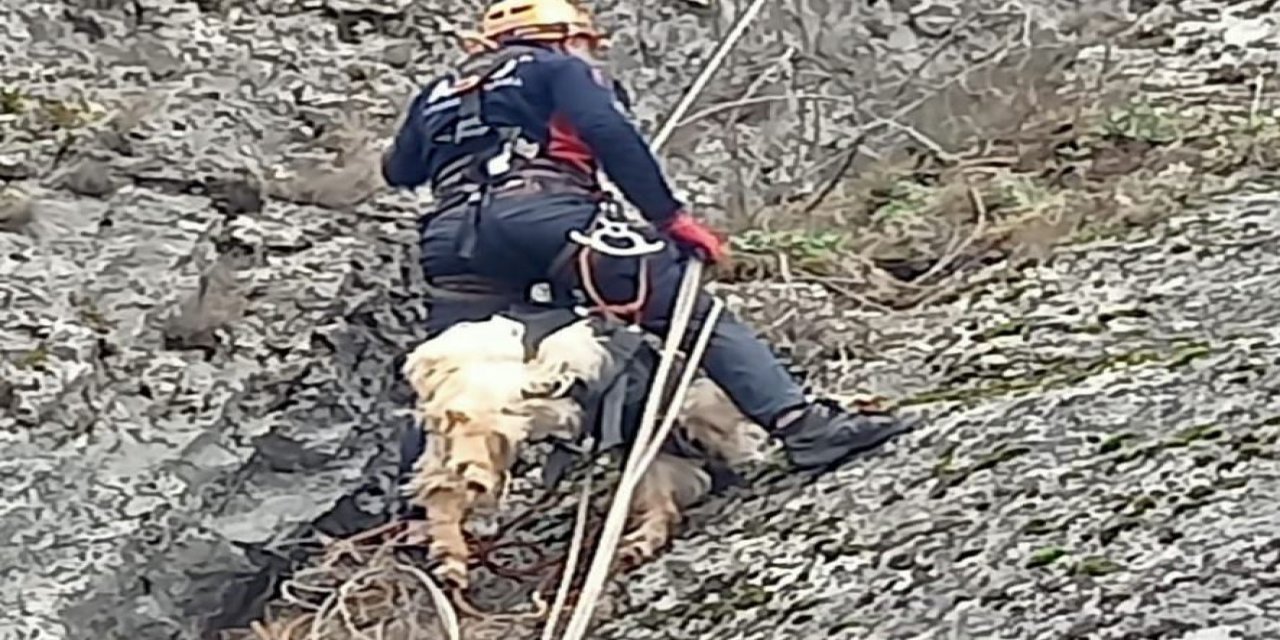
[(473, 385)]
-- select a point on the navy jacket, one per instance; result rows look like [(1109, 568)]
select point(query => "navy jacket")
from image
[(557, 100)]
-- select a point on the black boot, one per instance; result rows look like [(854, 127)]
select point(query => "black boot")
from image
[(826, 434)]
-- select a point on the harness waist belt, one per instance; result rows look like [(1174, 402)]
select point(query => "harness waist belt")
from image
[(455, 179)]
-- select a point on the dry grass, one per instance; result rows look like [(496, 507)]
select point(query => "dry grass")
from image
[(886, 155), (899, 232), (377, 584), (366, 587)]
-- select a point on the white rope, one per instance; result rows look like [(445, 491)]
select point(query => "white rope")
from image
[(713, 65), (648, 444), (615, 521), (682, 387), (571, 560), (675, 118)]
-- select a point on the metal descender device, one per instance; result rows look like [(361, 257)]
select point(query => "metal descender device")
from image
[(612, 234)]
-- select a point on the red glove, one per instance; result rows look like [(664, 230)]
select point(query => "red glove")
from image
[(694, 235)]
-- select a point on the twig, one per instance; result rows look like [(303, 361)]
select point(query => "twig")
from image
[(933, 292), (444, 608), (830, 285), (933, 54), (747, 101), (784, 268), (701, 81), (918, 136), (331, 602), (1256, 104), (783, 319), (954, 251), (469, 608), (347, 618), (851, 154), (571, 560)]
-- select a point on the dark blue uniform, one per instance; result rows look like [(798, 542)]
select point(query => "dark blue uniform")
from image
[(577, 120), (557, 101)]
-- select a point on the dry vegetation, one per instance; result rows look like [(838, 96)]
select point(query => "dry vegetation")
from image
[(886, 156), (376, 584)]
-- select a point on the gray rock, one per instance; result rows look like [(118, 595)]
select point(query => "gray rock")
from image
[(89, 178), (399, 55), (16, 209)]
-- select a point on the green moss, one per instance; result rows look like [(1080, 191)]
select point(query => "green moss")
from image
[(905, 198), (946, 462), (1022, 192), (1137, 453), (33, 358), (970, 394), (750, 596), (796, 243), (1114, 442), (68, 114), (1003, 453), (1199, 432), (94, 318), (1045, 557), (1141, 505), (1188, 354), (1010, 328), (1095, 566), (948, 475), (12, 101), (1163, 123), (1058, 374), (1093, 328)]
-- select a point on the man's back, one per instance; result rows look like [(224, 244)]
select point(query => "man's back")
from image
[(556, 101)]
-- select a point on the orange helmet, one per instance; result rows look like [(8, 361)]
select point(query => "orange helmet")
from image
[(537, 20)]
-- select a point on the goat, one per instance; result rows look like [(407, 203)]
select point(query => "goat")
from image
[(480, 399)]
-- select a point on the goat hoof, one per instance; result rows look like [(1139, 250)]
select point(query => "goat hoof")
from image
[(452, 573), (634, 554)]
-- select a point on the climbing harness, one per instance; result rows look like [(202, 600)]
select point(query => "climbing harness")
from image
[(508, 161), (611, 234)]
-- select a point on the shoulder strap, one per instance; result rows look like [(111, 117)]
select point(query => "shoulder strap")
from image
[(473, 74)]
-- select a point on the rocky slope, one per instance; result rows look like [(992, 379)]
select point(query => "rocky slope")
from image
[(205, 291), (1096, 465)]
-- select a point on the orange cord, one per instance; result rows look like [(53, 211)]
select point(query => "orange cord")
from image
[(631, 310)]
